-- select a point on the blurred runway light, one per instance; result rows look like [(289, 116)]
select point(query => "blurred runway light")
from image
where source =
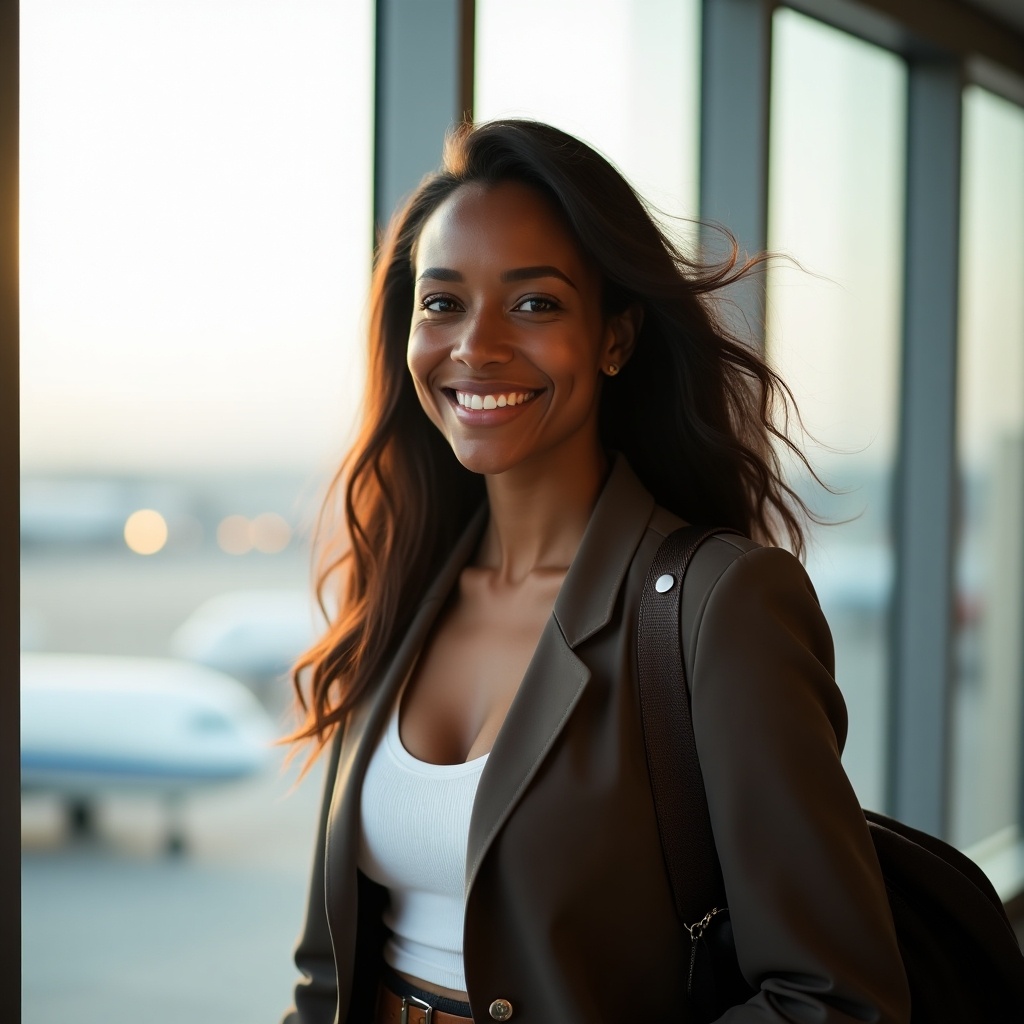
[(186, 533), (145, 531), (234, 535), (270, 533)]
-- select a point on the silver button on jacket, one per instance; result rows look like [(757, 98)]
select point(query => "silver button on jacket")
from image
[(500, 1009)]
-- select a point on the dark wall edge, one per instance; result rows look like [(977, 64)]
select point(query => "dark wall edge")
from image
[(10, 816)]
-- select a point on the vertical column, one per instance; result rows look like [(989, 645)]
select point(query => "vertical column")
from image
[(424, 78), (1019, 526), (10, 853), (735, 84), (927, 488)]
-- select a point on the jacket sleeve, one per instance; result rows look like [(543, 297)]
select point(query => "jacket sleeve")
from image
[(316, 993), (813, 930)]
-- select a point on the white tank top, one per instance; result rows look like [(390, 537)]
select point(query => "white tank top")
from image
[(414, 830)]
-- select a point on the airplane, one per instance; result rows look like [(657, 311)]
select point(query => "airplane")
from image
[(253, 635), (93, 725)]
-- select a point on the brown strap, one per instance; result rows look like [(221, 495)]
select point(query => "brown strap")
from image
[(390, 1005), (684, 824)]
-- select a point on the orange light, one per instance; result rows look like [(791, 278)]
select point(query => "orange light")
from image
[(270, 533), (145, 531), (234, 535)]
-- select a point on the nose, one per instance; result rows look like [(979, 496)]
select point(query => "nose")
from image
[(482, 340)]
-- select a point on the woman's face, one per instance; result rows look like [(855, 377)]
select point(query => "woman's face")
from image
[(508, 342)]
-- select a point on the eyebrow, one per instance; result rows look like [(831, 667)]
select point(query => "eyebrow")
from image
[(507, 276)]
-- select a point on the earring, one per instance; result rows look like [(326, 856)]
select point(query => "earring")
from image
[(611, 369)]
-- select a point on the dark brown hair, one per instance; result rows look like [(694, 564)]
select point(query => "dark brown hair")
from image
[(698, 413)]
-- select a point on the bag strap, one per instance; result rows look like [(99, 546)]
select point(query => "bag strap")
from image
[(684, 823)]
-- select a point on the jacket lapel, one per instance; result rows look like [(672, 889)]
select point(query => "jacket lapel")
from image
[(556, 677)]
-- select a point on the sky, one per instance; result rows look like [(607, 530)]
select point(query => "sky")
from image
[(195, 230), (196, 214)]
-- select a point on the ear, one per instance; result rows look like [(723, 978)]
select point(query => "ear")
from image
[(621, 332)]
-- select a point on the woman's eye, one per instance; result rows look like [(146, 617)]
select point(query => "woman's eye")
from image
[(439, 304), (536, 304)]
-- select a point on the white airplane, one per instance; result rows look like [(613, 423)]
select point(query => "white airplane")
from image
[(93, 725), (253, 635)]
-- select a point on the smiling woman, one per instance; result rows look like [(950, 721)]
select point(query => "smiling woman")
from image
[(551, 393)]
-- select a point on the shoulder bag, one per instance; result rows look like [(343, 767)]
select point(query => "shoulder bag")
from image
[(961, 956)]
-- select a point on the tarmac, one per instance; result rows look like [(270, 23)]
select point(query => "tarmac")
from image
[(118, 931)]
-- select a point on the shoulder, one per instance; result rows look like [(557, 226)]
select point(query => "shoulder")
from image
[(728, 569), (734, 575), (752, 629), (754, 636)]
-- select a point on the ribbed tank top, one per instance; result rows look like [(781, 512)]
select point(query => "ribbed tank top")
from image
[(414, 830)]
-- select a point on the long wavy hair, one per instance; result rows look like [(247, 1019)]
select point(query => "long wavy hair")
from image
[(696, 411)]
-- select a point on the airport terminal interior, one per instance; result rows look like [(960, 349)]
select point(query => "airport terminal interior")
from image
[(193, 300)]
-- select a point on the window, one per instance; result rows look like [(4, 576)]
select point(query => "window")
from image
[(836, 171), (195, 251), (620, 75), (989, 656)]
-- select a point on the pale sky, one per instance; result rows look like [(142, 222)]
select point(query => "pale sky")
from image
[(196, 230), (196, 222)]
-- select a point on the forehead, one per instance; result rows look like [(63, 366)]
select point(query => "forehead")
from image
[(503, 225)]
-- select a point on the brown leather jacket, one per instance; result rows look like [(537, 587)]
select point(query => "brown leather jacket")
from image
[(569, 914)]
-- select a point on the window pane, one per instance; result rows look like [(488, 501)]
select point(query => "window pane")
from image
[(623, 76), (990, 583), (195, 244), (836, 205), (194, 230)]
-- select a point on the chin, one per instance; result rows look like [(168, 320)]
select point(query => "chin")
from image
[(483, 464), (486, 459)]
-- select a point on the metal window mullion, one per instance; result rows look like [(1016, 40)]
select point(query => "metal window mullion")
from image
[(421, 84), (926, 487), (10, 768), (735, 83)]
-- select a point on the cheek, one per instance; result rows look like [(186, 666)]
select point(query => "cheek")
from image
[(421, 360), (574, 360)]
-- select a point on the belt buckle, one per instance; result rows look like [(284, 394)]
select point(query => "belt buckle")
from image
[(419, 1004)]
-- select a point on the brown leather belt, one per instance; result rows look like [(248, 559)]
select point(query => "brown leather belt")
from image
[(395, 1009)]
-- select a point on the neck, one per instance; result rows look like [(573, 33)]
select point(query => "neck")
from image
[(538, 517)]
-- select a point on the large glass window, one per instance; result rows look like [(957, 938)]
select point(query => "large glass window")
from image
[(836, 205), (990, 566), (621, 75), (195, 250)]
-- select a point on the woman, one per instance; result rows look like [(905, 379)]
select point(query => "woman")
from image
[(550, 394)]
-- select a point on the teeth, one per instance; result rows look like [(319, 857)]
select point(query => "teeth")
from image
[(471, 401)]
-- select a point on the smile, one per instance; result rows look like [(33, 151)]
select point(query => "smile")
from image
[(470, 400)]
